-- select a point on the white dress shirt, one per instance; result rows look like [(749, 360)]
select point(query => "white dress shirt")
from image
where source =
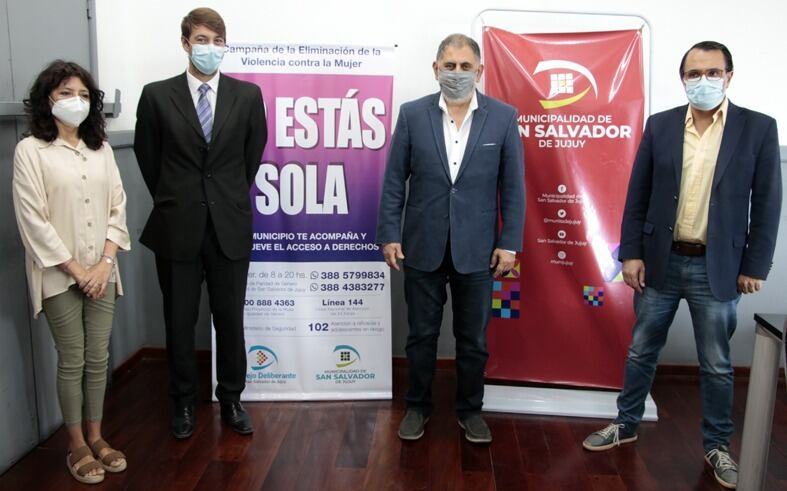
[(456, 138), (195, 84)]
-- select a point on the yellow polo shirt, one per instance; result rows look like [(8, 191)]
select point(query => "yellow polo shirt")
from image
[(699, 164)]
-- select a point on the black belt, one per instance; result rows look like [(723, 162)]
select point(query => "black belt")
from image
[(688, 248)]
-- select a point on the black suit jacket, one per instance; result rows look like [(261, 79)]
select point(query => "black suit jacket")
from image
[(745, 200), (191, 180)]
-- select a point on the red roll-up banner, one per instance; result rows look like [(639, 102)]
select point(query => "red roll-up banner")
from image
[(564, 315)]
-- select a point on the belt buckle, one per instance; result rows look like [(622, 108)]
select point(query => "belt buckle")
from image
[(688, 248)]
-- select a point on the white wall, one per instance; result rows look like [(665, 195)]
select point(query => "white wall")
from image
[(138, 42)]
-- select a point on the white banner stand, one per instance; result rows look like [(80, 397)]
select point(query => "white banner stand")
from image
[(558, 402)]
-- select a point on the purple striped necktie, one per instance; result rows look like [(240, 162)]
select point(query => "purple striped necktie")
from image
[(204, 112)]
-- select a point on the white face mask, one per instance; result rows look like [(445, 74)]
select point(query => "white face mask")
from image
[(72, 111)]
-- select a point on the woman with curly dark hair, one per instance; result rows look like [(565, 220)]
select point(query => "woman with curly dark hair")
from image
[(71, 211)]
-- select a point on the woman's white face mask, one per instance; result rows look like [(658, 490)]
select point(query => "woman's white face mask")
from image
[(71, 111)]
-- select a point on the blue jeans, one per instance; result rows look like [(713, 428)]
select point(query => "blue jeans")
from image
[(714, 323)]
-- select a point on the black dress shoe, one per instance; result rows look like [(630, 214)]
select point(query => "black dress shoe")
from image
[(183, 421), (233, 414)]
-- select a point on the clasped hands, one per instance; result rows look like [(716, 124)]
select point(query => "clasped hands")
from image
[(93, 280)]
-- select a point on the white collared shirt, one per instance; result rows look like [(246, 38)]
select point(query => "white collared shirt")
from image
[(194, 85), (456, 139)]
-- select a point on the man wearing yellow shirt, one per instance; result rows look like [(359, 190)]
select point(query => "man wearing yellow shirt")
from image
[(700, 224)]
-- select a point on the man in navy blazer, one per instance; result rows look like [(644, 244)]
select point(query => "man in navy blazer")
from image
[(461, 154), (700, 223)]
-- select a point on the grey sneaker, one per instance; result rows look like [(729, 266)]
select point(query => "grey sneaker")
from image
[(412, 425), (724, 468), (612, 436), (476, 430)]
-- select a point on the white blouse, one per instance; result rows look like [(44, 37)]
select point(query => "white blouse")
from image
[(68, 201)]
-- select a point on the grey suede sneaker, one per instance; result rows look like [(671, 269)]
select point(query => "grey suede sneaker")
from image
[(612, 436), (412, 425), (476, 430), (724, 468)]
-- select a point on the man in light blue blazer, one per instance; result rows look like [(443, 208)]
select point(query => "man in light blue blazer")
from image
[(461, 154), (700, 224)]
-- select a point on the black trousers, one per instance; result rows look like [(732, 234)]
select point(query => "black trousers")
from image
[(181, 287), (471, 302)]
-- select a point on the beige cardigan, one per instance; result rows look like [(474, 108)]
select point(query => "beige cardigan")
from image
[(68, 201)]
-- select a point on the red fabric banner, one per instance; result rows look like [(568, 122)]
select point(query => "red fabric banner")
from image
[(564, 315)]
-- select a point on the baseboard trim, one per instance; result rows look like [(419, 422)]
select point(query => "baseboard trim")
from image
[(124, 369), (442, 363), (150, 353), (741, 373), (204, 355)]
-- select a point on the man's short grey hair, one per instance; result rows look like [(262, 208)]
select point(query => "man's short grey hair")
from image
[(459, 40)]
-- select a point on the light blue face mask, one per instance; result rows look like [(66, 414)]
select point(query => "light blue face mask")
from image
[(207, 57), (705, 94)]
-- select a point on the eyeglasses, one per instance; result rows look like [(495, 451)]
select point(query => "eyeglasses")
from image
[(712, 74)]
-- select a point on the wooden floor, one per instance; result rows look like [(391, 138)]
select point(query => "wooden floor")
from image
[(353, 445)]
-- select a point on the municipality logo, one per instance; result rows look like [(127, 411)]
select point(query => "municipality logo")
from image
[(345, 355), (262, 357), (563, 82)]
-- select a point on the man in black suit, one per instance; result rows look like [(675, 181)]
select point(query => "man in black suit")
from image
[(199, 140)]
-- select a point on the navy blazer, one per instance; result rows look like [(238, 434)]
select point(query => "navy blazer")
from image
[(741, 238), (491, 174)]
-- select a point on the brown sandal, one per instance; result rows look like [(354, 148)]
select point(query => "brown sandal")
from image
[(106, 460), (81, 462)]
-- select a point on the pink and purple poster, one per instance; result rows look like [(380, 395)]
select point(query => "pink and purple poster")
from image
[(318, 309)]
